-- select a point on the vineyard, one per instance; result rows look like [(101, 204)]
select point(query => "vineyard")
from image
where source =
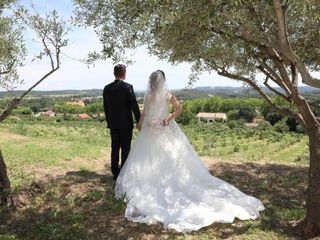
[(60, 172), (243, 144), (51, 144)]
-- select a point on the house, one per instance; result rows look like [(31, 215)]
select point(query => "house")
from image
[(211, 117), (80, 103), (49, 114), (251, 125), (84, 116)]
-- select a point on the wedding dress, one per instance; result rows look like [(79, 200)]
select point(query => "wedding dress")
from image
[(164, 180)]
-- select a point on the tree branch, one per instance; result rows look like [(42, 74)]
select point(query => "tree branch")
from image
[(281, 22), (270, 42), (280, 109), (57, 43), (9, 68), (275, 91), (269, 72), (47, 50)]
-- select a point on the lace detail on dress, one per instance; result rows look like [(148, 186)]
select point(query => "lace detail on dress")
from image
[(156, 108)]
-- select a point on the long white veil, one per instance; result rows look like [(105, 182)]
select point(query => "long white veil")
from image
[(156, 97)]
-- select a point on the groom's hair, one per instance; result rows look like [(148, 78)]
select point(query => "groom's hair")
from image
[(119, 70)]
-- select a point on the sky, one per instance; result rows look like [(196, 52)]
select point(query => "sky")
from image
[(73, 74)]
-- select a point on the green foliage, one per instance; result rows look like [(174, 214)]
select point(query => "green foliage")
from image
[(266, 108), (273, 117), (218, 104), (93, 108), (247, 112), (7, 237), (12, 49), (315, 106), (80, 200), (281, 127), (300, 129), (68, 109), (292, 123), (186, 117), (22, 111), (239, 123), (40, 104), (233, 114), (212, 34), (264, 125)]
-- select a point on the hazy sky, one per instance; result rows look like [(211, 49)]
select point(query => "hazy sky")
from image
[(75, 75)]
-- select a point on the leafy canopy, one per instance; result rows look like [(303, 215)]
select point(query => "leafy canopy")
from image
[(12, 50), (210, 34)]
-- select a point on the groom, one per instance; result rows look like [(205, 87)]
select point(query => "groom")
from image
[(119, 101)]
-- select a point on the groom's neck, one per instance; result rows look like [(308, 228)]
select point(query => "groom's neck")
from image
[(120, 78)]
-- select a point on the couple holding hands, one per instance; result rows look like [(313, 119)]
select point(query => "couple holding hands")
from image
[(161, 178)]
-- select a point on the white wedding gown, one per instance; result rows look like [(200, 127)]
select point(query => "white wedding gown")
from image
[(164, 180)]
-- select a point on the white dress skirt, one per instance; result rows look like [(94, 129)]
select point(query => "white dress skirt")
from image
[(165, 181)]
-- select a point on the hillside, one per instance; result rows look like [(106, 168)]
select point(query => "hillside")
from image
[(186, 93)]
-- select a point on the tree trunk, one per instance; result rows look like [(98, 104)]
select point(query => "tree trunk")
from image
[(312, 220), (4, 181)]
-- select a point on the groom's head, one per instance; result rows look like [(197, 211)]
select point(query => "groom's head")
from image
[(119, 71)]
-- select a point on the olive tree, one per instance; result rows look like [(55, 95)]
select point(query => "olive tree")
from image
[(51, 31), (241, 40)]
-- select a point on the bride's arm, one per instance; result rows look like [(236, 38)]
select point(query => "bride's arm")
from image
[(177, 109), (139, 124)]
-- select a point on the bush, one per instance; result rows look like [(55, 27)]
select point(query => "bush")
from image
[(22, 111), (273, 117), (233, 114), (68, 109), (96, 107), (292, 124), (264, 125), (247, 113), (281, 127), (69, 117), (12, 119), (299, 129), (186, 117), (236, 123), (315, 107)]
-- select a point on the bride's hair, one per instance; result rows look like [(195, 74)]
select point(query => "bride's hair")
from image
[(156, 80)]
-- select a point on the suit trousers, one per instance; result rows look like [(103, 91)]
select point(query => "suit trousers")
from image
[(120, 139)]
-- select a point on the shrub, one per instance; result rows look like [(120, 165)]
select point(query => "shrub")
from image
[(292, 124), (186, 117), (22, 111), (281, 127), (299, 129), (264, 125), (247, 113), (236, 123), (233, 114), (273, 117)]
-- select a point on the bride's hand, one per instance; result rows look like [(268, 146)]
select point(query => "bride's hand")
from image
[(165, 122)]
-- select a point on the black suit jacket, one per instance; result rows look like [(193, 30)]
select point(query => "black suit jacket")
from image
[(119, 101)]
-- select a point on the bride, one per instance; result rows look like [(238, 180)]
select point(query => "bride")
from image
[(164, 180)]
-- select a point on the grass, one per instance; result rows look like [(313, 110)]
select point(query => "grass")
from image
[(65, 187)]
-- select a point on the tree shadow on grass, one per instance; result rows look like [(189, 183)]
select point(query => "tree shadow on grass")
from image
[(81, 205), (281, 188)]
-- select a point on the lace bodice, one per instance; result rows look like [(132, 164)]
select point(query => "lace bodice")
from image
[(156, 109)]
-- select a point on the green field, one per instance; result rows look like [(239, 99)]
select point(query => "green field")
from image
[(63, 186)]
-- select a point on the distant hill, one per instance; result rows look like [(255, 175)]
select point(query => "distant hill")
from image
[(192, 93), (57, 93)]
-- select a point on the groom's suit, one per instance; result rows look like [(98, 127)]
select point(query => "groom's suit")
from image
[(119, 101)]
